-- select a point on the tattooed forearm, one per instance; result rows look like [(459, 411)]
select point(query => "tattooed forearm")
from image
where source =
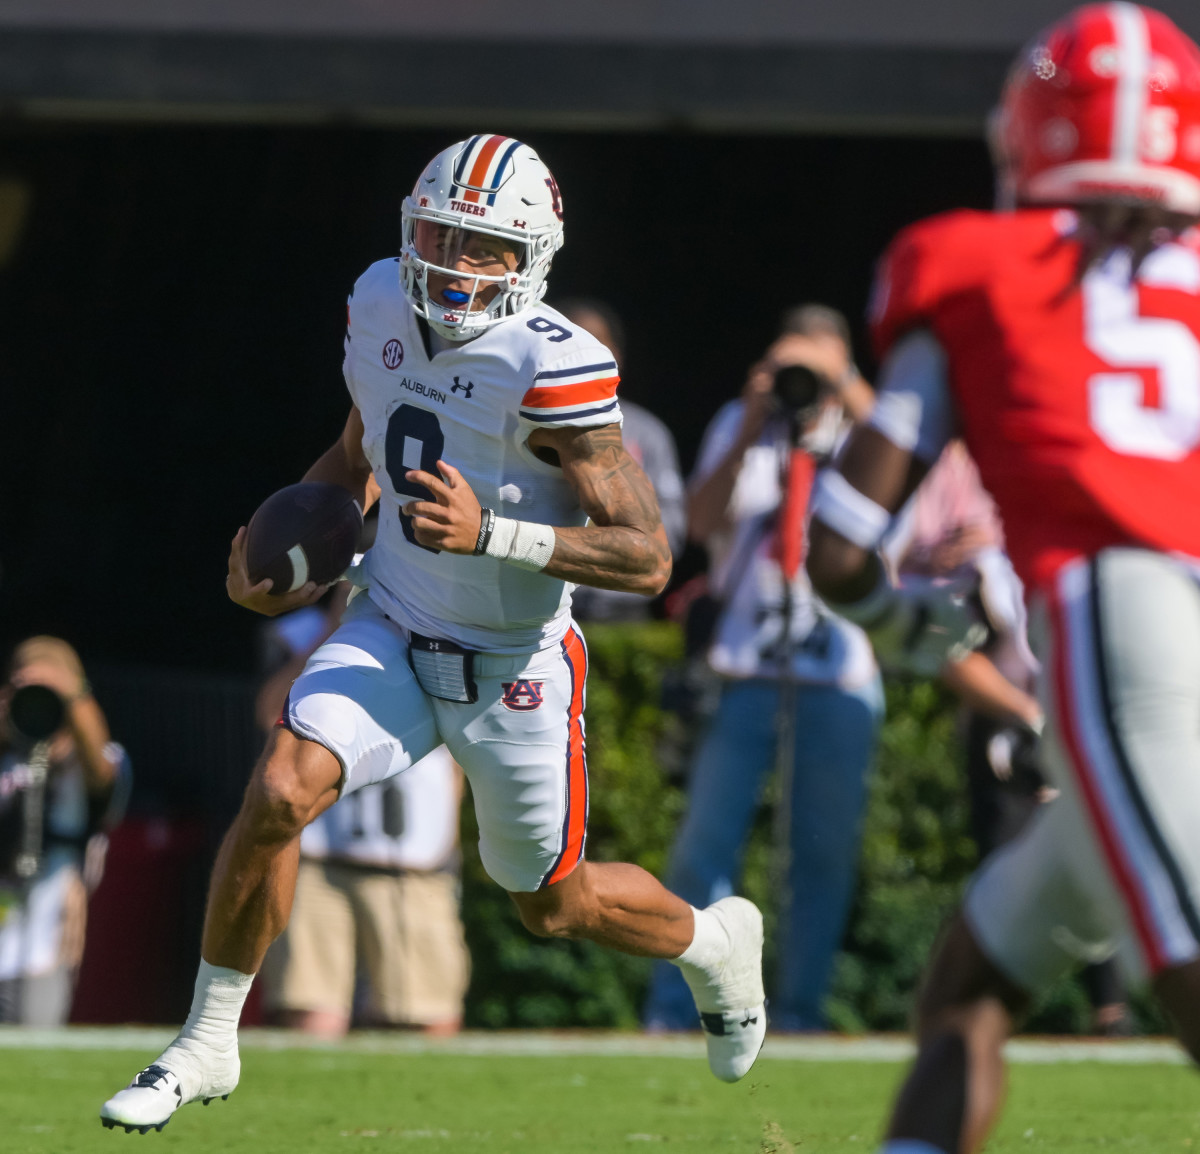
[(612, 557), (625, 546)]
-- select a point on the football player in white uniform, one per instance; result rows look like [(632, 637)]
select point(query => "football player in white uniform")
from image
[(488, 427)]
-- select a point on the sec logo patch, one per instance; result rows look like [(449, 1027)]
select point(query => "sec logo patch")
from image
[(393, 354)]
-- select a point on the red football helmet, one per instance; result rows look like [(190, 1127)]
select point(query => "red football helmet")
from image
[(1104, 105)]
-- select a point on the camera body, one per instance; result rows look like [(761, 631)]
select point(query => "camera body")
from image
[(799, 391), (35, 713)]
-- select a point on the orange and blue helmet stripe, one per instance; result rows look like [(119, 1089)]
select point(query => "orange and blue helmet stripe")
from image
[(481, 166)]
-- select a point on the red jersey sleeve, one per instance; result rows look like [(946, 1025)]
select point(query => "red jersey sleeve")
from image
[(923, 265)]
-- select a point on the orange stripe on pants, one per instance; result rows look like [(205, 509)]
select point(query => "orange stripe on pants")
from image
[(575, 819)]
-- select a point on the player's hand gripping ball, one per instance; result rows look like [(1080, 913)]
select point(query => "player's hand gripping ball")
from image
[(306, 532)]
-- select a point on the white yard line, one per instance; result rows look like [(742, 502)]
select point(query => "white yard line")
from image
[(532, 1043)]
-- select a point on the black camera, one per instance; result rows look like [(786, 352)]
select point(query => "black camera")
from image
[(36, 712), (798, 390)]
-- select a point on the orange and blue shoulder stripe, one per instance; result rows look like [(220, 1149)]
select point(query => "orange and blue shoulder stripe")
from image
[(582, 391)]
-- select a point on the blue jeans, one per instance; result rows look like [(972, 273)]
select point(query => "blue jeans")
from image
[(835, 734)]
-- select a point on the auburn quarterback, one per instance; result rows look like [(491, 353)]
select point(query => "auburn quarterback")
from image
[(488, 427)]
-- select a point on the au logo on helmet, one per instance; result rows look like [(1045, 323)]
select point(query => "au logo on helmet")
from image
[(556, 197)]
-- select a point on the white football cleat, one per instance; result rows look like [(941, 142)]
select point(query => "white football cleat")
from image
[(730, 998), (181, 1075)]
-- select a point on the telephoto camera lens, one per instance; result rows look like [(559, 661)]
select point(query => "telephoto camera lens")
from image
[(36, 712), (797, 388)]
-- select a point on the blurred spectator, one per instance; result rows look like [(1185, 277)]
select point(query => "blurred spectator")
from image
[(63, 785), (950, 526), (651, 444), (799, 689), (375, 936)]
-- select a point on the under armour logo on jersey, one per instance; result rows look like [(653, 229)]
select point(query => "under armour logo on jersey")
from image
[(522, 695), (393, 354), (465, 388)]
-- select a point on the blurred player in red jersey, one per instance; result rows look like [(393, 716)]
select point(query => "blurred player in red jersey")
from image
[(1063, 340)]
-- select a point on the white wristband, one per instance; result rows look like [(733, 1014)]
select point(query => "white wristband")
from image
[(844, 509), (897, 415), (521, 543)]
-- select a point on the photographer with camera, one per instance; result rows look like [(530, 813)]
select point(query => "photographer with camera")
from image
[(799, 688), (63, 783)]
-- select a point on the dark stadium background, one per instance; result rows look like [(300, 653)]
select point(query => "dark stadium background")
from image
[(170, 348)]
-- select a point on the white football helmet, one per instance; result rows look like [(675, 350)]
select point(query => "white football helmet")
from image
[(492, 185)]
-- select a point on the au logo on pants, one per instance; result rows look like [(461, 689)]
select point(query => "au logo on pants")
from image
[(522, 695)]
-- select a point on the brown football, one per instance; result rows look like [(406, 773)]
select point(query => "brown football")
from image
[(306, 532)]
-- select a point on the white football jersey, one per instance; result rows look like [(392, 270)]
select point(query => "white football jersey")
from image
[(474, 406)]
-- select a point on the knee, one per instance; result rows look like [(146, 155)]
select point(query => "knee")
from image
[(276, 804), (546, 918), (964, 992), (281, 799), (983, 1023)]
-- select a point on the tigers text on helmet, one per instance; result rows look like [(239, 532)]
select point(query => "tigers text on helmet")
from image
[(476, 199), (1103, 106)]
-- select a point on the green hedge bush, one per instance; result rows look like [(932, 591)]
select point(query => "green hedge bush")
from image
[(916, 855)]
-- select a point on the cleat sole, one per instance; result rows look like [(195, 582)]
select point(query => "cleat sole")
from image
[(129, 1127)]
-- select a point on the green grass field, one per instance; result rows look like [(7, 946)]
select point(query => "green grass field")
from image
[(445, 1099)]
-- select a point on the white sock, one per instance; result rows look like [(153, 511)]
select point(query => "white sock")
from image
[(909, 1146), (710, 943), (702, 962), (216, 1006)]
